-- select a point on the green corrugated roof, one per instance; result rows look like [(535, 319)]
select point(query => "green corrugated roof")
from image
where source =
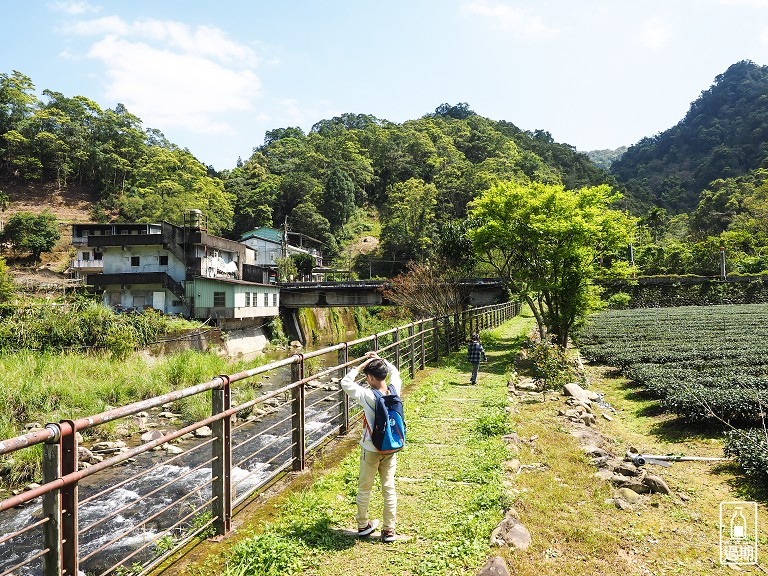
[(265, 233)]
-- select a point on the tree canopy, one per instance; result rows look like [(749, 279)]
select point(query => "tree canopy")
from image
[(36, 233), (547, 243)]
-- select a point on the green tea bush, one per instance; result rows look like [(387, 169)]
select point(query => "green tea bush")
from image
[(750, 449)]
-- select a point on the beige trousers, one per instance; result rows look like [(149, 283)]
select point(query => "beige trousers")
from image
[(372, 463)]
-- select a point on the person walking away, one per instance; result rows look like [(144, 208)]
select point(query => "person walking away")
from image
[(372, 461), (475, 353)]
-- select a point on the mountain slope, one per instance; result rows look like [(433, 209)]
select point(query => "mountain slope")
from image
[(724, 134)]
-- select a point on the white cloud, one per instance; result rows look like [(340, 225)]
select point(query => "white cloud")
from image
[(521, 22), (170, 74), (655, 33), (75, 7)]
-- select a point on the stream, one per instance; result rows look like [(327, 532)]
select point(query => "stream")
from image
[(259, 448)]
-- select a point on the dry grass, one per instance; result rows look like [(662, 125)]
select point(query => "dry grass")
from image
[(577, 529)]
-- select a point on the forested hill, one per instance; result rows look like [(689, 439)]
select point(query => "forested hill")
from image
[(420, 174), (723, 135)]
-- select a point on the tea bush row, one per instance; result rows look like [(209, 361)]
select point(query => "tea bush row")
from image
[(704, 364)]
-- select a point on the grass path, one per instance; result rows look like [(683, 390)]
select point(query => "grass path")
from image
[(449, 480)]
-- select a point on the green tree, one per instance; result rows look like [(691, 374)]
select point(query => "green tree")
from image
[(339, 198), (36, 233), (5, 201), (304, 263), (546, 243), (286, 269), (408, 224), (6, 283)]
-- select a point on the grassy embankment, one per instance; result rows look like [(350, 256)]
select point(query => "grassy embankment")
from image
[(453, 490), (48, 387)]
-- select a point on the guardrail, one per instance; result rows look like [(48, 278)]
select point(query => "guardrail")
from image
[(127, 512)]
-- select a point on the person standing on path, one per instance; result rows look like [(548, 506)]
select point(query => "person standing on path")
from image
[(475, 353), (371, 460)]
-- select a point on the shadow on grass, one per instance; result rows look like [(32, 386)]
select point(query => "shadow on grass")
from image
[(322, 536), (678, 430), (743, 486)]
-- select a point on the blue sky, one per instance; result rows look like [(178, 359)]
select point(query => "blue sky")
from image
[(215, 76)]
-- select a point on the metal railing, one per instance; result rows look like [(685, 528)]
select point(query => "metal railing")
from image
[(130, 508)]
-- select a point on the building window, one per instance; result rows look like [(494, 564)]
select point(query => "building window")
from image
[(135, 260), (247, 298), (85, 256), (219, 300), (98, 256), (163, 260)]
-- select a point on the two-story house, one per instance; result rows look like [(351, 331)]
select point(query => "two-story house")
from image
[(174, 269), (271, 244)]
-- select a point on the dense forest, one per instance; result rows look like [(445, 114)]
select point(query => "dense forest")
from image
[(697, 186), (419, 175), (723, 135)]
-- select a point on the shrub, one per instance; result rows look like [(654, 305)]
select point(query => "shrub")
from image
[(619, 301), (551, 365), (750, 448)]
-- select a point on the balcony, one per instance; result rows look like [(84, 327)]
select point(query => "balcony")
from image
[(84, 265)]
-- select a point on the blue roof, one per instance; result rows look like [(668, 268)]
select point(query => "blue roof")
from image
[(265, 233)]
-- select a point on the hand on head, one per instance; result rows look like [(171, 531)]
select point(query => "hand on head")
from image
[(369, 356)]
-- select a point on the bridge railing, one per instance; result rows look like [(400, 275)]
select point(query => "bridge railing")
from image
[(124, 509)]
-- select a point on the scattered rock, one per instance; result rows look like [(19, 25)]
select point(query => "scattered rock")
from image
[(496, 566), (607, 417), (656, 484), (108, 447), (627, 469), (512, 466), (172, 450), (594, 451), (151, 435), (604, 475), (575, 391), (511, 532), (528, 385), (628, 495), (633, 484), (84, 455), (295, 344), (31, 486), (169, 415), (203, 432)]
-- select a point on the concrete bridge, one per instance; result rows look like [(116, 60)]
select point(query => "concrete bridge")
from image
[(482, 292)]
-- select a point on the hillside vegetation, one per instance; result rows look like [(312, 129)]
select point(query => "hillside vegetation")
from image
[(723, 135), (420, 174)]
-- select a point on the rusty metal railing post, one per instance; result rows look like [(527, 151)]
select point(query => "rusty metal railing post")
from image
[(297, 414), (396, 342), (221, 469), (422, 349), (344, 399), (69, 532), (52, 504), (435, 340), (447, 332), (412, 360)]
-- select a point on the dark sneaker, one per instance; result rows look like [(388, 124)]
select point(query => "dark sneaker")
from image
[(388, 536), (368, 530)]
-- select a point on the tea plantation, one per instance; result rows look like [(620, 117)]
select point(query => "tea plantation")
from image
[(706, 364)]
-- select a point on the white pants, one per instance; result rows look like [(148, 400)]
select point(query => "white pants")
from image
[(372, 463)]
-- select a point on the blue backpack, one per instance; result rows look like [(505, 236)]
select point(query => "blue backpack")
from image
[(388, 433)]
